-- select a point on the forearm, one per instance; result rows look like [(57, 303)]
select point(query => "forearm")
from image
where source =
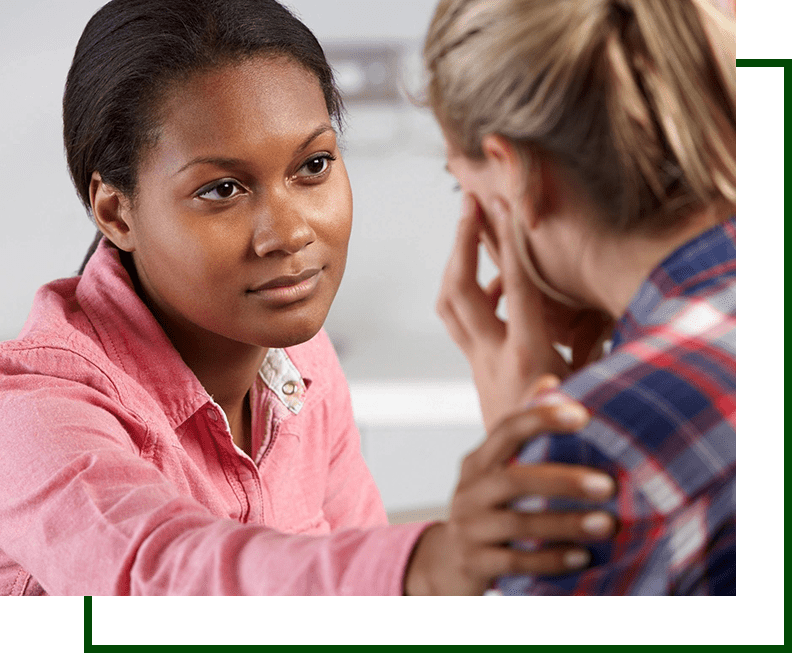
[(180, 549), (224, 558)]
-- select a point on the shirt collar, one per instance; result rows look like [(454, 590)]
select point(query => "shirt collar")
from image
[(281, 376), (135, 342), (712, 253)]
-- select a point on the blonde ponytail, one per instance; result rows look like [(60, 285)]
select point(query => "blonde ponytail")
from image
[(635, 97)]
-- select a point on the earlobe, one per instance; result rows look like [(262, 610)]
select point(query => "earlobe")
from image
[(111, 213)]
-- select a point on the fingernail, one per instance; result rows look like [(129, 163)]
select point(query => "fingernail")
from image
[(597, 523), (572, 414), (549, 398), (598, 486), (576, 559), (548, 383)]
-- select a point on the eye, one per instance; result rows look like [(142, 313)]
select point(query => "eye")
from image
[(316, 166), (220, 190)]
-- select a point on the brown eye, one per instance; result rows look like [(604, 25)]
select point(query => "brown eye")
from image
[(315, 166), (223, 190)]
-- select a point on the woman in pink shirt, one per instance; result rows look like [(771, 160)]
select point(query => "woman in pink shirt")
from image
[(175, 419)]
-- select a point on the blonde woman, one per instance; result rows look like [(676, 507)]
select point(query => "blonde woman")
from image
[(595, 144)]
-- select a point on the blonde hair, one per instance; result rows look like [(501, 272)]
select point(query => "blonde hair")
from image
[(635, 97)]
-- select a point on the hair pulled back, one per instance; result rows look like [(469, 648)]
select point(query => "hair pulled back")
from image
[(635, 97), (132, 52)]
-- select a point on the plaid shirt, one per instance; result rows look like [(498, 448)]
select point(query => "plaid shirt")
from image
[(663, 406)]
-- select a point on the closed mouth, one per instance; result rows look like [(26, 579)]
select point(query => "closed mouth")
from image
[(287, 280)]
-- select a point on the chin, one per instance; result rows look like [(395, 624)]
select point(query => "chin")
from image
[(289, 337), (290, 340)]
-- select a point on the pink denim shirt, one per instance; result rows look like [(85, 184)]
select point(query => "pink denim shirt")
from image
[(119, 475)]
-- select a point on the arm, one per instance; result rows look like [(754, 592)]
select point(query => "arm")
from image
[(86, 515), (83, 513)]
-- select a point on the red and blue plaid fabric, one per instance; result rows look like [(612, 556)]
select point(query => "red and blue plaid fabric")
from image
[(663, 406)]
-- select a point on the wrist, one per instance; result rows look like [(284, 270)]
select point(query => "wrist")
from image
[(423, 562)]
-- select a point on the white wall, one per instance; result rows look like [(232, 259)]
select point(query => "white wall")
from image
[(383, 321), (45, 230)]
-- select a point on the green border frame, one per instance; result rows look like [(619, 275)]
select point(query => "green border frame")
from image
[(754, 616)]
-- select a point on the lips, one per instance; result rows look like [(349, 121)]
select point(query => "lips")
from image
[(288, 290), (286, 281)]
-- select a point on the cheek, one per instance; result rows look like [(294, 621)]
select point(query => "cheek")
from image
[(336, 216), (184, 257)]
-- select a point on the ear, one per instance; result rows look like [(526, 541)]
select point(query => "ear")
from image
[(503, 162), (111, 211), (520, 185)]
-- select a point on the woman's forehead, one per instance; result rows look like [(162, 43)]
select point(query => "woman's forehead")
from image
[(260, 88), (248, 106)]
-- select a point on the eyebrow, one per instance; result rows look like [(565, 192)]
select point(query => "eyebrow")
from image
[(226, 162), (316, 133), (219, 161)]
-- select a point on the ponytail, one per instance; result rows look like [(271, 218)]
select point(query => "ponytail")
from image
[(636, 98), (672, 109)]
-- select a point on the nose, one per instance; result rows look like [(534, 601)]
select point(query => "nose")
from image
[(282, 230)]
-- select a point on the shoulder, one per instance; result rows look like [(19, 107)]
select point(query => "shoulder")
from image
[(57, 344), (37, 372), (663, 410)]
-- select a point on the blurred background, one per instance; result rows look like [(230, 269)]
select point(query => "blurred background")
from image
[(415, 404)]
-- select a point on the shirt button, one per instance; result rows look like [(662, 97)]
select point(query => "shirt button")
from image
[(212, 414), (289, 388)]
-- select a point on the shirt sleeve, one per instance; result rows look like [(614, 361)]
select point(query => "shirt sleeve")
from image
[(85, 515)]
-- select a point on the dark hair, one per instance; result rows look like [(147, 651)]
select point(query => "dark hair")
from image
[(130, 54)]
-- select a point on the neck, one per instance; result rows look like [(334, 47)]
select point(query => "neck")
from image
[(225, 368), (227, 372), (613, 269)]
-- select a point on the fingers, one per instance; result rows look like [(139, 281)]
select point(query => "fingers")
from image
[(523, 297), (490, 239), (493, 292), (558, 480), (510, 435), (463, 305), (506, 526), (493, 562), (543, 384), (463, 264)]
